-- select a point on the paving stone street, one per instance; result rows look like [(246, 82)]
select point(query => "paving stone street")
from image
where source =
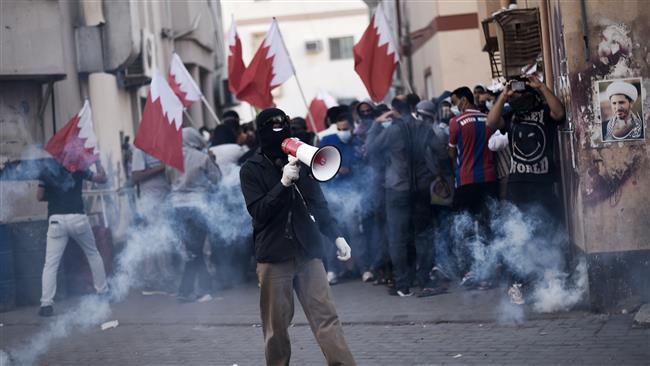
[(458, 328)]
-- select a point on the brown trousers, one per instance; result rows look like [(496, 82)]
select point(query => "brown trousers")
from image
[(308, 278)]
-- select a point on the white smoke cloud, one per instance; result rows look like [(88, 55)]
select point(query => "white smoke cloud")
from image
[(558, 293), (226, 215), (90, 311), (528, 245)]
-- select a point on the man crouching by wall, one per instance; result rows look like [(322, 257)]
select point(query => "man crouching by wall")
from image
[(288, 209)]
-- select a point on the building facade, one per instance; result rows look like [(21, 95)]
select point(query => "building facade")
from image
[(605, 183), (319, 37), (581, 47), (56, 54), (441, 43)]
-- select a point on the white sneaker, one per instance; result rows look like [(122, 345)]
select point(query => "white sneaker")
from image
[(332, 278), (515, 294), (205, 298), (367, 276)]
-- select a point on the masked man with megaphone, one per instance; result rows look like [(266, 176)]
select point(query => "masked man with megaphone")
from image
[(288, 210)]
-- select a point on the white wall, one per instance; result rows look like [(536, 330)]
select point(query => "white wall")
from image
[(455, 57), (307, 22)]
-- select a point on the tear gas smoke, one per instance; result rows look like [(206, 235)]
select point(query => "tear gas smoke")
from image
[(226, 215), (526, 246), (90, 311), (350, 198), (558, 293), (509, 314), (225, 209)]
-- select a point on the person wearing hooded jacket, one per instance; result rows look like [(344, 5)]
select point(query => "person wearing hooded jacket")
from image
[(188, 195), (404, 140), (288, 211)]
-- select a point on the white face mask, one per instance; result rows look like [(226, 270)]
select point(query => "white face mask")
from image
[(387, 123), (345, 136), (205, 135), (455, 110), (489, 104)]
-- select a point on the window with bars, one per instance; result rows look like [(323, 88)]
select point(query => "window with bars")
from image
[(341, 47)]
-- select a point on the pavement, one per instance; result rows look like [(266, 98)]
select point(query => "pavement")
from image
[(458, 328)]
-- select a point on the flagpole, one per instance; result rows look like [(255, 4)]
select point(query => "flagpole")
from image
[(207, 105), (189, 117), (295, 74), (304, 100), (399, 55)]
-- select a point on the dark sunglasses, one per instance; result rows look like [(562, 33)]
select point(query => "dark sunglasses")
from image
[(281, 119)]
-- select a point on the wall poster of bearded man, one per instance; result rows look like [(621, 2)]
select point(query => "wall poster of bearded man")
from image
[(621, 109)]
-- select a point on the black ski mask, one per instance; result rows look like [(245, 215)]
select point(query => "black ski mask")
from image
[(272, 128)]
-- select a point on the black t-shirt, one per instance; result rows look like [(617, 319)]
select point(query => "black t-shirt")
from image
[(531, 136), (63, 191)]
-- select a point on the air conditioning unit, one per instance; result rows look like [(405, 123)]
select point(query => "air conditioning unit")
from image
[(313, 47), (148, 53), (140, 71)]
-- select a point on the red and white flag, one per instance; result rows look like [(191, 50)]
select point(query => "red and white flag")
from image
[(75, 145), (318, 109), (182, 83), (375, 56), (236, 66), (160, 134), (271, 66)]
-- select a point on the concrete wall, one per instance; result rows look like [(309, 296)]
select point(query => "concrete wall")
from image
[(607, 185), (612, 199), (453, 57), (39, 49), (28, 28), (301, 22)]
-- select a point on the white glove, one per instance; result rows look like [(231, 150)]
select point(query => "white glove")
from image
[(343, 251), (290, 172), (498, 141)]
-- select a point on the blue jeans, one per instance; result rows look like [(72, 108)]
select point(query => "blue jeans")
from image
[(409, 230), (193, 232)]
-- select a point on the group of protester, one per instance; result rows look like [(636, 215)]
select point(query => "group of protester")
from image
[(417, 164), (407, 170)]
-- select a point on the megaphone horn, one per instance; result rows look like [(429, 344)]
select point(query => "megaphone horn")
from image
[(323, 162)]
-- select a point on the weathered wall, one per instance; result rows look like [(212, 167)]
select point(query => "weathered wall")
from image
[(20, 127), (28, 28), (38, 47), (612, 184)]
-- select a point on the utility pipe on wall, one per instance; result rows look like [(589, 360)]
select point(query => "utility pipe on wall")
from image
[(546, 45)]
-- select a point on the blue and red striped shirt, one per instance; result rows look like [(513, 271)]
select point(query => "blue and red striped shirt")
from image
[(469, 134)]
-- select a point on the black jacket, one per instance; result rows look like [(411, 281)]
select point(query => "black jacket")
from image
[(286, 220)]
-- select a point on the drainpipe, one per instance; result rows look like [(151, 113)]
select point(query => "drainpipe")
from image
[(585, 27), (546, 45), (398, 13)]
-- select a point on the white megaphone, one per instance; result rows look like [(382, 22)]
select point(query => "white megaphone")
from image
[(324, 162)]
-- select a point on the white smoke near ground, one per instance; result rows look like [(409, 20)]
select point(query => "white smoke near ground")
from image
[(4, 358), (527, 246), (557, 293), (509, 313), (90, 311), (225, 213)]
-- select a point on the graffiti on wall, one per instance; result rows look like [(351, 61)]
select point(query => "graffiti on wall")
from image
[(613, 152)]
